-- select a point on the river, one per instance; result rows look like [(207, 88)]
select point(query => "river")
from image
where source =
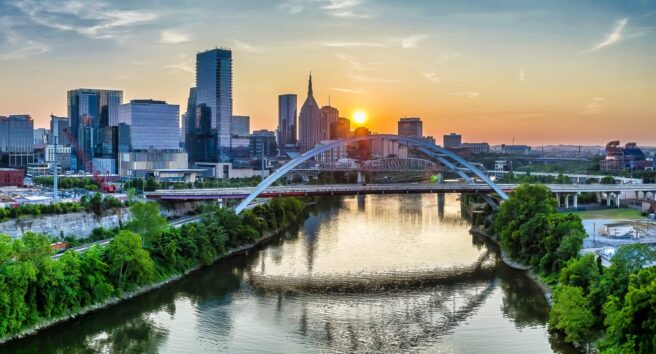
[(361, 274)]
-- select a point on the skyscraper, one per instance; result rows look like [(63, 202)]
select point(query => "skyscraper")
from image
[(241, 125), (88, 110), (340, 129), (17, 134), (287, 122), (310, 121), (153, 124), (58, 126), (214, 91), (331, 115), (412, 127)]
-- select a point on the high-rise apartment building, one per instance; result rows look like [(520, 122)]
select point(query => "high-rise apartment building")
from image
[(263, 143), (241, 125), (214, 92), (411, 127), (452, 140), (310, 121), (287, 122)]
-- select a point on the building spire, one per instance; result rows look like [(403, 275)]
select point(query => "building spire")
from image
[(310, 85)]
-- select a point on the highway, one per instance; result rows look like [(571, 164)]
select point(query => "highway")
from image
[(351, 189)]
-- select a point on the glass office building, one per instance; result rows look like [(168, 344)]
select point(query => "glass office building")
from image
[(17, 134), (287, 121), (90, 109), (153, 124), (214, 90)]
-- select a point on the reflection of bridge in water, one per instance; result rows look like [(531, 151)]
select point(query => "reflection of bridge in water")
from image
[(368, 323), (373, 282)]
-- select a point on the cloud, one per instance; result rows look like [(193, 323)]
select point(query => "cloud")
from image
[(91, 19), (354, 44), (186, 63), (27, 49), (522, 75), (347, 8), (412, 41), (613, 37), (292, 7), (355, 91), (356, 65), (596, 106), (468, 94), (432, 76), (372, 79), (173, 37), (245, 46)]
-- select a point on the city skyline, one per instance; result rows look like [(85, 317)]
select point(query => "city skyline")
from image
[(530, 72)]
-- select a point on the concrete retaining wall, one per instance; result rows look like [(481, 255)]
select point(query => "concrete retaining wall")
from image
[(78, 224)]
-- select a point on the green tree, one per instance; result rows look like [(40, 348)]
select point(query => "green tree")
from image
[(147, 221), (632, 323), (93, 281), (129, 264), (582, 272), (571, 313)]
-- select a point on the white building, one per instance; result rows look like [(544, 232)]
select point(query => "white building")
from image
[(620, 230), (332, 155)]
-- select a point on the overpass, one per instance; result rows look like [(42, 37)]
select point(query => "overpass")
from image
[(576, 177)]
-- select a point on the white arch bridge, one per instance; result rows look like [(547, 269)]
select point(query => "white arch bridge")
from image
[(476, 181)]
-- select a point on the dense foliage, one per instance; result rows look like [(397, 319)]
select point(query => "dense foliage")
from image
[(35, 287), (95, 203), (614, 307), (532, 232)]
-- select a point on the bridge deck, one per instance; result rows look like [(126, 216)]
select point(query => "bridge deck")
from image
[(353, 189)]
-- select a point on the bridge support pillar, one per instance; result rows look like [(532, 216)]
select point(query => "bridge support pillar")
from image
[(361, 177), (566, 200), (608, 197), (576, 200), (557, 200), (598, 195), (617, 198)]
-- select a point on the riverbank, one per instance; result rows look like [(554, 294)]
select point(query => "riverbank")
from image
[(526, 270), (115, 300)]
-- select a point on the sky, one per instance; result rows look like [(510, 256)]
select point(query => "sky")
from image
[(532, 72)]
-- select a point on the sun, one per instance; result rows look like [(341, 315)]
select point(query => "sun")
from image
[(359, 117)]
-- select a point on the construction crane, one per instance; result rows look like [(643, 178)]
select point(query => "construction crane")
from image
[(102, 181)]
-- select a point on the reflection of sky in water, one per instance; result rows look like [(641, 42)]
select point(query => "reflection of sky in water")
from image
[(393, 233)]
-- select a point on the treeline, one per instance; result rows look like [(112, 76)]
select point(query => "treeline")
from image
[(96, 203), (615, 307), (150, 184), (35, 288), (67, 182)]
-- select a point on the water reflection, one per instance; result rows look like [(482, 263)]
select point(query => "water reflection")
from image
[(362, 274)]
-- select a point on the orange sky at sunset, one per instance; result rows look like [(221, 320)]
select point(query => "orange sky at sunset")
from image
[(539, 73)]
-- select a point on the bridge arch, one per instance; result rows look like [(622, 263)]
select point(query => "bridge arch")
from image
[(446, 157)]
